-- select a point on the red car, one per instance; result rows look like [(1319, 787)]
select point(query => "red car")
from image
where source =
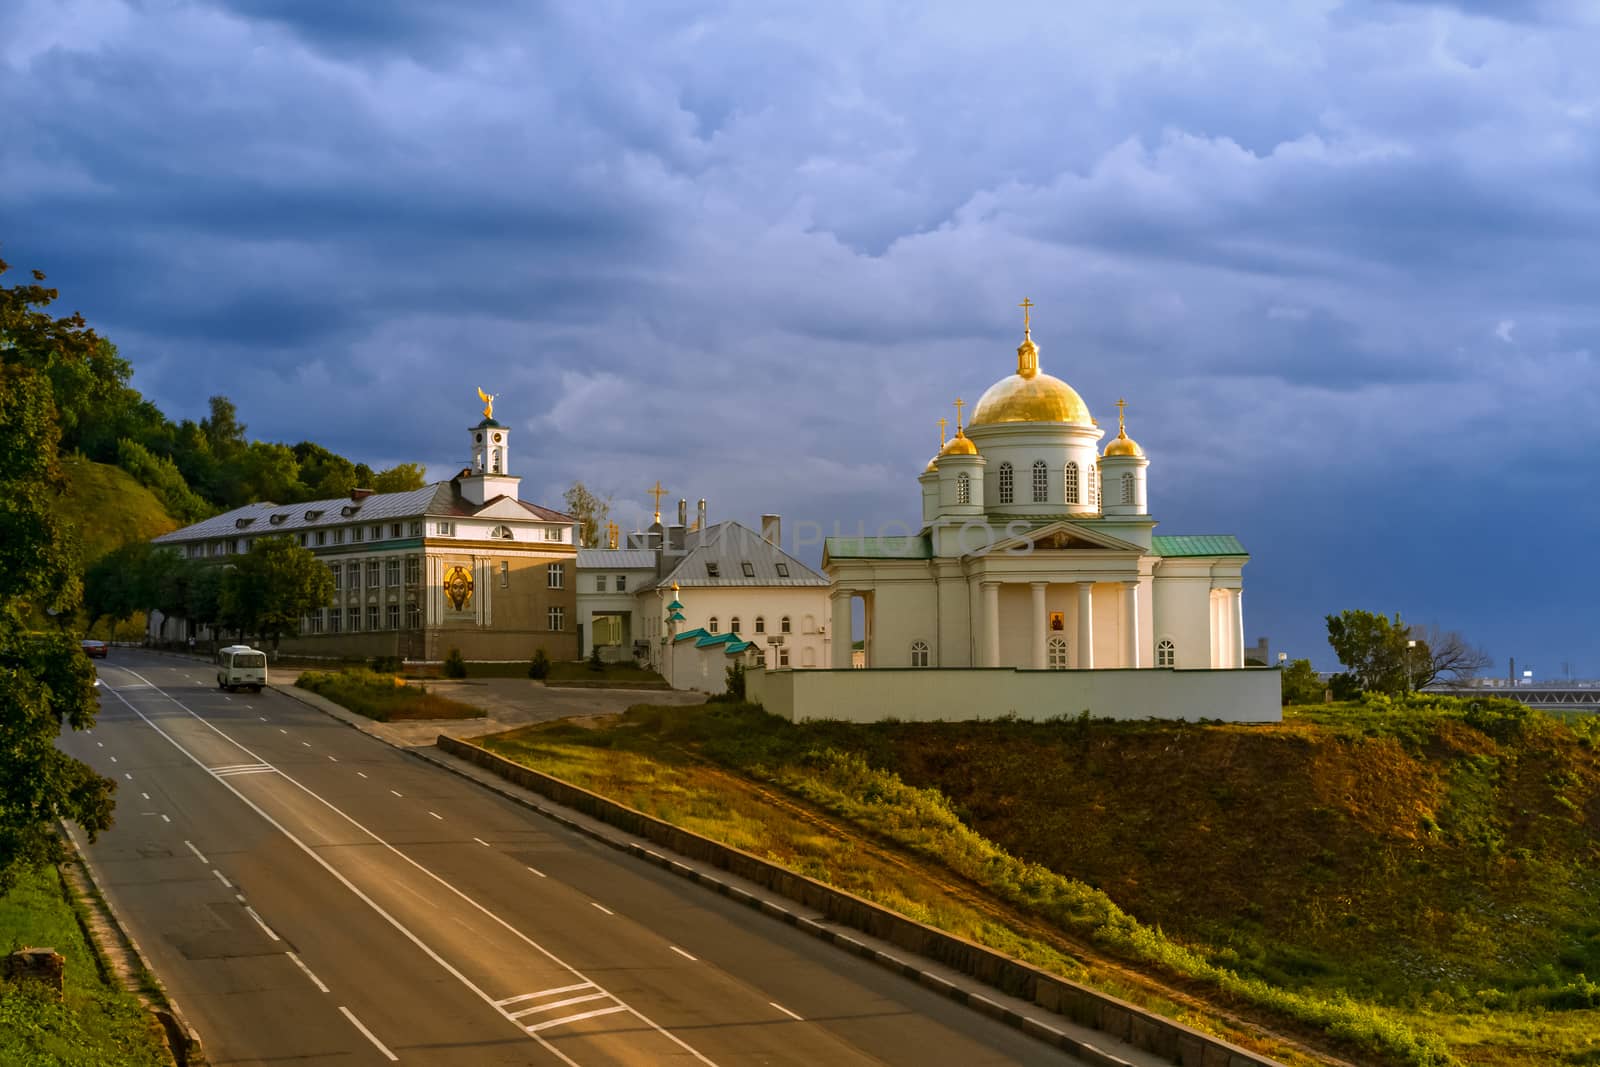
[(96, 649)]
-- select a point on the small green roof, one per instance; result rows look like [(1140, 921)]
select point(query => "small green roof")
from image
[(674, 606), (690, 635), (676, 616), (488, 424), (1171, 545), (917, 546)]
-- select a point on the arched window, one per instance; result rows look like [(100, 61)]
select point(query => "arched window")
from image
[(1127, 488), (1058, 654), (1041, 482), (1166, 654), (919, 653), (494, 462), (783, 625), (733, 625), (713, 624), (1007, 483), (1093, 499), (761, 624), (1072, 483), (963, 488)]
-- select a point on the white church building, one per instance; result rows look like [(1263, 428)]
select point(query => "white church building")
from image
[(1037, 557)]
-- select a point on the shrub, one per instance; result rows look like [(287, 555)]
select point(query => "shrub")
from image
[(595, 663), (454, 665), (386, 664), (539, 666)]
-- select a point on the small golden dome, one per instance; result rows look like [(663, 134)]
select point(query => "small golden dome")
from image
[(933, 465), (1030, 395), (1123, 445), (959, 445)]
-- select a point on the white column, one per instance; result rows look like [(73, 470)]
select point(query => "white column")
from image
[(842, 641), (1085, 626), (1041, 625), (1215, 607), (1236, 604), (1130, 624), (991, 624)]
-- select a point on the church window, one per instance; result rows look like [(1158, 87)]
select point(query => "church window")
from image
[(808, 657), (622, 583), (1057, 654), (391, 573), (783, 569), (505, 574), (599, 583), (393, 613), (713, 570), (413, 570), (783, 656), (494, 462), (1127, 488), (919, 653), (373, 622), (413, 616), (963, 488), (712, 625), (1072, 483), (1093, 499), (733, 625), (1007, 483), (784, 626), (558, 618), (1041, 482), (556, 577), (1166, 654), (761, 624), (748, 568)]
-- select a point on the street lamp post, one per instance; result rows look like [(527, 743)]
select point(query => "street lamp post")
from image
[(1411, 652)]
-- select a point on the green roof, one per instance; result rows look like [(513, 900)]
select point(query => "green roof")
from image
[(1196, 545), (917, 546)]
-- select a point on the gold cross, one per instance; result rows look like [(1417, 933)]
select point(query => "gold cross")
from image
[(943, 422), (1027, 307), (1122, 415), (657, 492), (959, 405)]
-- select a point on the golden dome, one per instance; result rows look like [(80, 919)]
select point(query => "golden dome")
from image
[(1030, 396), (933, 465), (959, 445), (1122, 444)]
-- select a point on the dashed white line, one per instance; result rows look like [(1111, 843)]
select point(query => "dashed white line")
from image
[(145, 795), (113, 759), (128, 776), (164, 817), (102, 744), (298, 962), (262, 923), (682, 953), (281, 730), (362, 773), (397, 793), (436, 815), (263, 718), (786, 1011), (222, 878), (348, 1014), (201, 856), (602, 907), (482, 842), (540, 873), (334, 758), (306, 743)]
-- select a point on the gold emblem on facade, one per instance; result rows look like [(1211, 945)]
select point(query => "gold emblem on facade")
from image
[(458, 587)]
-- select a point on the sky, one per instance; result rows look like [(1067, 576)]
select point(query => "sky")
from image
[(1338, 257)]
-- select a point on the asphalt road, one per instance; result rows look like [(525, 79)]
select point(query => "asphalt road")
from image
[(310, 895)]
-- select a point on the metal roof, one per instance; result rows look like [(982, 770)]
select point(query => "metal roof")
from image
[(1171, 545), (730, 546), (917, 546), (616, 559), (253, 520)]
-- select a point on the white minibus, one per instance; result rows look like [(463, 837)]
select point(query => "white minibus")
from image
[(239, 666)]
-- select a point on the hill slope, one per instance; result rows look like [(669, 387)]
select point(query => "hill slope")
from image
[(106, 508)]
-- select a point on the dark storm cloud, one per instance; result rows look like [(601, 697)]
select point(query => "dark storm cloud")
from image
[(1338, 257)]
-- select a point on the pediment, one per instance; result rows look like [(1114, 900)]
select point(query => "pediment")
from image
[(1065, 536), (502, 507)]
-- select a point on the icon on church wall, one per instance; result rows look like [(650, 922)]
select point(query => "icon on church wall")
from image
[(1058, 620), (458, 587)]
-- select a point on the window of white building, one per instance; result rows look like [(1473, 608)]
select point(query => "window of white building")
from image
[(761, 624), (783, 656), (733, 625), (1041, 482), (1007, 483), (919, 653), (963, 488), (713, 624), (1072, 483), (783, 625), (1056, 654), (501, 533), (1127, 488), (1166, 654), (391, 572), (599, 583)]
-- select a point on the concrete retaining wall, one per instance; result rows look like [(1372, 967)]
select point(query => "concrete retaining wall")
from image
[(960, 694), (1118, 1018)]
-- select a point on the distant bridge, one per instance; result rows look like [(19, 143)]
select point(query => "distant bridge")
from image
[(1574, 695)]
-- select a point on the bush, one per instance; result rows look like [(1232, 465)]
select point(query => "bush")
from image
[(595, 662), (386, 664), (454, 665), (539, 666)]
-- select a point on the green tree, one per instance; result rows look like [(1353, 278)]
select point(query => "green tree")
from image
[(203, 597), (591, 511), (116, 585), (401, 478), (1301, 684), (1372, 647), (324, 474), (45, 681), (272, 587), (161, 476), (263, 471)]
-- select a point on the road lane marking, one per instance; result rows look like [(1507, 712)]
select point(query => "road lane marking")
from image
[(102, 744), (245, 768), (348, 1014), (554, 1004), (164, 817), (226, 697), (436, 815), (482, 842), (263, 718), (540, 873), (298, 962), (222, 878), (786, 1011), (602, 907), (334, 758), (575, 1018), (362, 773), (373, 904), (281, 730), (397, 793), (682, 953), (145, 795), (113, 759), (261, 922), (306, 743), (128, 776), (201, 856)]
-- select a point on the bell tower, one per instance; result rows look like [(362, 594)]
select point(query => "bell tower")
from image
[(490, 474)]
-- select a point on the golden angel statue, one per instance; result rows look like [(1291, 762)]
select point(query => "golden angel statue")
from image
[(488, 402)]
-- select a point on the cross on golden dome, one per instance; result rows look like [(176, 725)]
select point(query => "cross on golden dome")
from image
[(943, 422), (1027, 307), (960, 404), (657, 492), (1122, 415)]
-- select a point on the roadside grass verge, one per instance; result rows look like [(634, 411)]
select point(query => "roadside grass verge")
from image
[(94, 1024), (383, 696)]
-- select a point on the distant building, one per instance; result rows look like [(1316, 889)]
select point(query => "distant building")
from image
[(460, 564)]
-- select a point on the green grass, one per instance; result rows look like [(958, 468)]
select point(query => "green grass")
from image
[(95, 1024), (383, 697), (614, 672), (106, 508)]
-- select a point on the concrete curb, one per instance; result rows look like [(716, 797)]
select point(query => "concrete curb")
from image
[(183, 1043)]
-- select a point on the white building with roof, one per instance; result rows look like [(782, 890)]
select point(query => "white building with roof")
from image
[(688, 600), (1037, 553), (461, 564)]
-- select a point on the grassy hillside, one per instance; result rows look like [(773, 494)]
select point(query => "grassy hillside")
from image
[(107, 508), (1440, 863)]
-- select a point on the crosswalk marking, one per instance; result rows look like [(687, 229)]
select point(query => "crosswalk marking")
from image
[(575, 1018), (554, 1004)]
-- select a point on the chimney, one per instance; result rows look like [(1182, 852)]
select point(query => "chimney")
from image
[(772, 529), (683, 512), (701, 514), (360, 494)]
